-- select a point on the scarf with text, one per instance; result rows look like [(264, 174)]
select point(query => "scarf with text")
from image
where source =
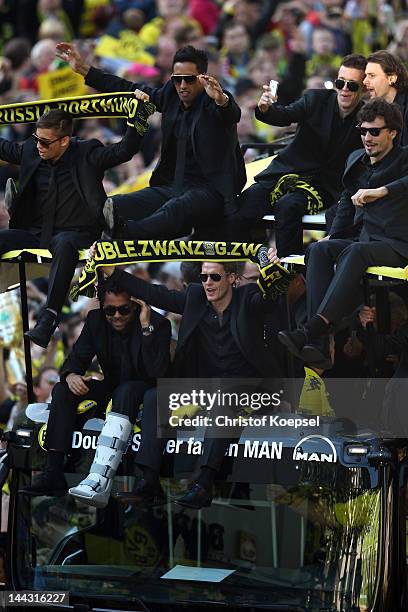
[(273, 277), (95, 106)]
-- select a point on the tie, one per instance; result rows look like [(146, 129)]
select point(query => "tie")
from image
[(181, 156), (49, 210)]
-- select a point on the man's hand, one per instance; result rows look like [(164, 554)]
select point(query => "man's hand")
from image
[(145, 313), (367, 315), (142, 95), (213, 89), (266, 100), (76, 383), (69, 54), (365, 196), (272, 255), (107, 270)]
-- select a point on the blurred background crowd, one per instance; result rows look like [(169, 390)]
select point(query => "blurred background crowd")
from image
[(299, 43)]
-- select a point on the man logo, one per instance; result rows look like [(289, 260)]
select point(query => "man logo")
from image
[(41, 436), (315, 448)]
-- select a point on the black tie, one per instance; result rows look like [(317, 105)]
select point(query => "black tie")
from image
[(49, 209), (181, 156)]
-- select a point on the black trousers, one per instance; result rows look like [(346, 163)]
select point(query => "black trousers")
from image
[(63, 418), (255, 202), (335, 294), (154, 213), (64, 248)]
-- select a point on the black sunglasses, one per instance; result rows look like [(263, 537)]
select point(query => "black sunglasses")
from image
[(215, 277), (373, 131), (124, 309), (351, 85), (45, 143), (188, 78)]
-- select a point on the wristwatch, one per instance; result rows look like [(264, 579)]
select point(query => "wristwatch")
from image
[(146, 331)]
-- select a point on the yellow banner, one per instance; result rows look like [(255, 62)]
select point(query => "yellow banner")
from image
[(61, 83)]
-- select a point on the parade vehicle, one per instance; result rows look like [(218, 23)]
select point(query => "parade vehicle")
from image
[(303, 519)]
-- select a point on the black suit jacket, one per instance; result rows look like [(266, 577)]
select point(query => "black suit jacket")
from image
[(247, 318), (88, 158), (402, 101), (309, 154), (385, 219), (214, 132), (152, 351)]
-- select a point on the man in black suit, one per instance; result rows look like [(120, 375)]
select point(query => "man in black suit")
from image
[(221, 335), (132, 345), (60, 200), (305, 177), (201, 167), (373, 211)]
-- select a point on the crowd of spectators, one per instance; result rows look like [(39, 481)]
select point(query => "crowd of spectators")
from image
[(300, 43)]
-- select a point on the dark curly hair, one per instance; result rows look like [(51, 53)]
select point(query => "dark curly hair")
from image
[(108, 285), (378, 107)]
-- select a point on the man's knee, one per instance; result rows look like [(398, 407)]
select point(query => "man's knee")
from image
[(61, 392), (316, 251), (290, 206), (127, 397), (64, 249)]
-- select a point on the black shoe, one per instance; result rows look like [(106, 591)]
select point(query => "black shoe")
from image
[(50, 485), (317, 355), (10, 194), (144, 110), (196, 497), (144, 494), (43, 330), (115, 226), (294, 341)]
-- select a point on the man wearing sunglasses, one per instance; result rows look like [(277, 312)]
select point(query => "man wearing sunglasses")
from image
[(201, 167), (305, 177), (370, 229), (221, 336), (60, 199), (132, 345)]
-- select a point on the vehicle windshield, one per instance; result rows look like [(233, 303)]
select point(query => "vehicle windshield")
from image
[(309, 538)]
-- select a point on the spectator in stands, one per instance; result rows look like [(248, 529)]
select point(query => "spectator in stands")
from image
[(323, 55), (59, 202), (306, 176), (131, 343), (221, 335), (370, 229), (201, 165), (386, 77)]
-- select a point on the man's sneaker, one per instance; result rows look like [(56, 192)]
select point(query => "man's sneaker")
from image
[(294, 341), (115, 225), (143, 494), (196, 498), (10, 194), (144, 110), (48, 484), (43, 330)]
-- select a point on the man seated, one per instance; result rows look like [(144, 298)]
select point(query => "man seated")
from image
[(60, 199), (201, 167), (373, 210), (132, 344), (305, 177), (221, 335)]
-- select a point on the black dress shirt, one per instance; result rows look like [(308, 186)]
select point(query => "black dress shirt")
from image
[(218, 353), (70, 212), (192, 171)]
